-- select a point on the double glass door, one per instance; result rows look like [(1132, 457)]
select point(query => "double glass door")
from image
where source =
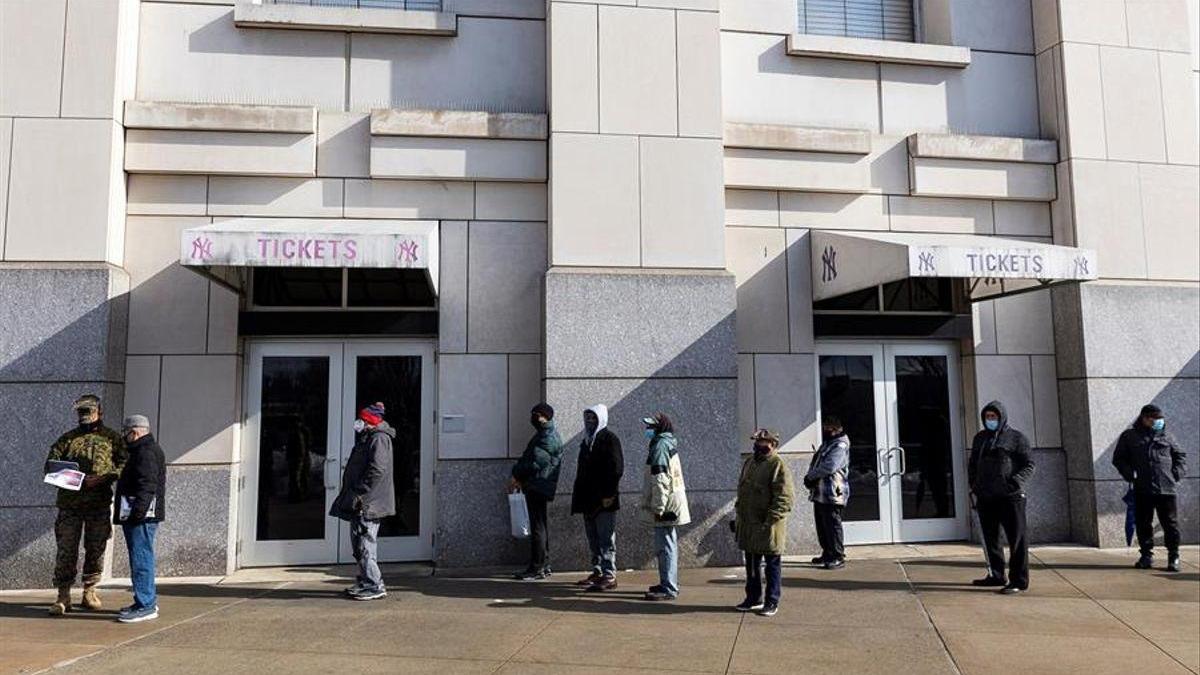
[(899, 404), (302, 399)]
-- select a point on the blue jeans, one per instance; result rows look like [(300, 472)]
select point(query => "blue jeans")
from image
[(364, 541), (139, 540), (754, 578), (602, 542), (666, 543)]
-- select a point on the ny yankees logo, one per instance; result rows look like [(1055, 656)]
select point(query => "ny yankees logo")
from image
[(829, 264), (1081, 266), (925, 262), (202, 248), (406, 251)]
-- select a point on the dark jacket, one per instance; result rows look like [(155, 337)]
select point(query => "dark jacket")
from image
[(143, 481), (1149, 459), (601, 464), (367, 484), (537, 470), (1001, 463), (764, 499)]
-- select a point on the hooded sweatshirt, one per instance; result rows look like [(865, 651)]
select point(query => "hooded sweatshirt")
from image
[(368, 489), (1001, 463), (601, 465)]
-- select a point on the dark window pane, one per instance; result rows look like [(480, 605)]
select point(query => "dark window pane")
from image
[(848, 391), (291, 448), (866, 300), (923, 403), (389, 288), (297, 287), (396, 382), (918, 295)]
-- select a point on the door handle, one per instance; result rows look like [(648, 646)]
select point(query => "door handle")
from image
[(903, 460), (883, 463), (331, 485)]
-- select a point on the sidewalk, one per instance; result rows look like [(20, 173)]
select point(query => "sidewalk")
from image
[(893, 609)]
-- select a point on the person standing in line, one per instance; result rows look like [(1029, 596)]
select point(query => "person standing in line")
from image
[(536, 475), (140, 505), (828, 490), (100, 455), (664, 503), (999, 468), (597, 495), (764, 499), (368, 495), (1149, 458)]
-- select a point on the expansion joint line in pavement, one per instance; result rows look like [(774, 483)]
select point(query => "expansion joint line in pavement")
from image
[(937, 631), (733, 649), (214, 610), (536, 635), (1109, 611)]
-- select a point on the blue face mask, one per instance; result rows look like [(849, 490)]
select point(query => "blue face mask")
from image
[(650, 434), (1158, 424), (991, 425)]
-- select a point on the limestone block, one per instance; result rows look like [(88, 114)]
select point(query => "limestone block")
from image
[(698, 306), (200, 55), (992, 26), (752, 208), (199, 410), (878, 51), (452, 287), (379, 198), (151, 195), (223, 306), (983, 323), (746, 421), (595, 205), (972, 179), (458, 124), (1028, 219), (1108, 215), (574, 83), (785, 392), (1117, 344), (492, 64), (507, 263), (274, 197), (757, 258), (220, 152), (682, 203), (805, 139), (168, 305), (784, 170), (90, 58), (1179, 108), (1024, 324), (799, 272), (829, 211), (1133, 112), (475, 388), (6, 126), (510, 201), (343, 144), (1159, 24), (638, 88), (1047, 432), (60, 191), (457, 158), (142, 387), (1084, 106), (220, 117), (31, 57), (924, 214), (1172, 221), (995, 148), (764, 16), (698, 41), (1008, 379), (1099, 22), (762, 84), (348, 18), (524, 391)]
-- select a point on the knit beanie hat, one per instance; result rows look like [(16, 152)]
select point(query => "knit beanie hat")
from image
[(544, 410), (1151, 410), (372, 414)]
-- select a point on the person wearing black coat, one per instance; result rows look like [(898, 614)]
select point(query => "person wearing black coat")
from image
[(1149, 458), (139, 506), (998, 471), (597, 495)]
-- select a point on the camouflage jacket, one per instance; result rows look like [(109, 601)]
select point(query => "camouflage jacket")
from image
[(99, 453)]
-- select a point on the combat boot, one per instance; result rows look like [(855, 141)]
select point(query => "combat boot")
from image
[(91, 599), (63, 604)]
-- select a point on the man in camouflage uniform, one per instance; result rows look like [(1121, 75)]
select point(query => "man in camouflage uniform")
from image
[(100, 453)]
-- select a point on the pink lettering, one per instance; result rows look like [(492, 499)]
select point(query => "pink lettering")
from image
[(306, 248), (262, 248), (333, 244), (351, 249), (319, 249), (285, 248)]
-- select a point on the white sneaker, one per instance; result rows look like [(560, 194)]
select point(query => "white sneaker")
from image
[(139, 615)]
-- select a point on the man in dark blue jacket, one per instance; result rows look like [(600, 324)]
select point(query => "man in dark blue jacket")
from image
[(140, 505), (1147, 456), (536, 474), (999, 469)]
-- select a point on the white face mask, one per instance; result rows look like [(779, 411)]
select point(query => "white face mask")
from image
[(359, 425)]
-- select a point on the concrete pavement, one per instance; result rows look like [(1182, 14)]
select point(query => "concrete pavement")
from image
[(893, 609)]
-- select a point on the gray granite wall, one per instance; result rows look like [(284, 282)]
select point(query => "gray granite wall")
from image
[(1118, 347)]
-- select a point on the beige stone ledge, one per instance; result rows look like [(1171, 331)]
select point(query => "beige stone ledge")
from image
[(248, 14), (974, 179), (220, 117), (995, 148), (458, 124), (807, 139), (879, 51)]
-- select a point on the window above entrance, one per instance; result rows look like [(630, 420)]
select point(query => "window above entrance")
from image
[(340, 288)]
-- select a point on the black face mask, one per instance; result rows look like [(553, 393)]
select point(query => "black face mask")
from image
[(761, 449), (535, 421), (830, 434)]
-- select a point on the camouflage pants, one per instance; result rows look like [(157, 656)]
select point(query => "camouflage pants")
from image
[(95, 528)]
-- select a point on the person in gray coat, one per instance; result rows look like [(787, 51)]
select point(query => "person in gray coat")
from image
[(367, 496)]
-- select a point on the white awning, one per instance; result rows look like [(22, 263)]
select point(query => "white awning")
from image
[(297, 242), (844, 262)]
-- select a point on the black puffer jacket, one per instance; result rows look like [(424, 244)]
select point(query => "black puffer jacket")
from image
[(1149, 459), (1000, 463), (143, 482), (368, 487)]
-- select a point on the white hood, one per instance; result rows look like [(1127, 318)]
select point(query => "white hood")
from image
[(601, 412)]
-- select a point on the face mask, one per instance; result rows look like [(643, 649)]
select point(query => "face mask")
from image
[(830, 434), (761, 449), (359, 425), (649, 433), (991, 425), (1158, 424), (590, 426)]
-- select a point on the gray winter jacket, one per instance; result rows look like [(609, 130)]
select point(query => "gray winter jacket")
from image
[(367, 485)]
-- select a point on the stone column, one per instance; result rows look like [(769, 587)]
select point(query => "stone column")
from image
[(1116, 85), (639, 307)]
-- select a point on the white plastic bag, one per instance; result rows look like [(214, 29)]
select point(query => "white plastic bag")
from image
[(518, 515)]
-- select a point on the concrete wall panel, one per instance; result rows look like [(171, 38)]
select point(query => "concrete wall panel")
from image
[(1171, 214), (831, 211), (419, 199), (220, 152), (510, 201), (594, 202), (274, 197), (199, 415), (504, 309), (343, 144), (682, 203), (151, 195), (698, 39), (474, 386), (524, 391), (757, 258), (31, 57), (452, 287), (168, 305), (785, 395), (1133, 112), (458, 159), (638, 84), (574, 68)]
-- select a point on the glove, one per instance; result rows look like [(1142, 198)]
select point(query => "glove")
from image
[(810, 483), (666, 516)]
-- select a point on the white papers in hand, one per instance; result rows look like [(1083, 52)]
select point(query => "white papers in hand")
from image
[(67, 479)]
